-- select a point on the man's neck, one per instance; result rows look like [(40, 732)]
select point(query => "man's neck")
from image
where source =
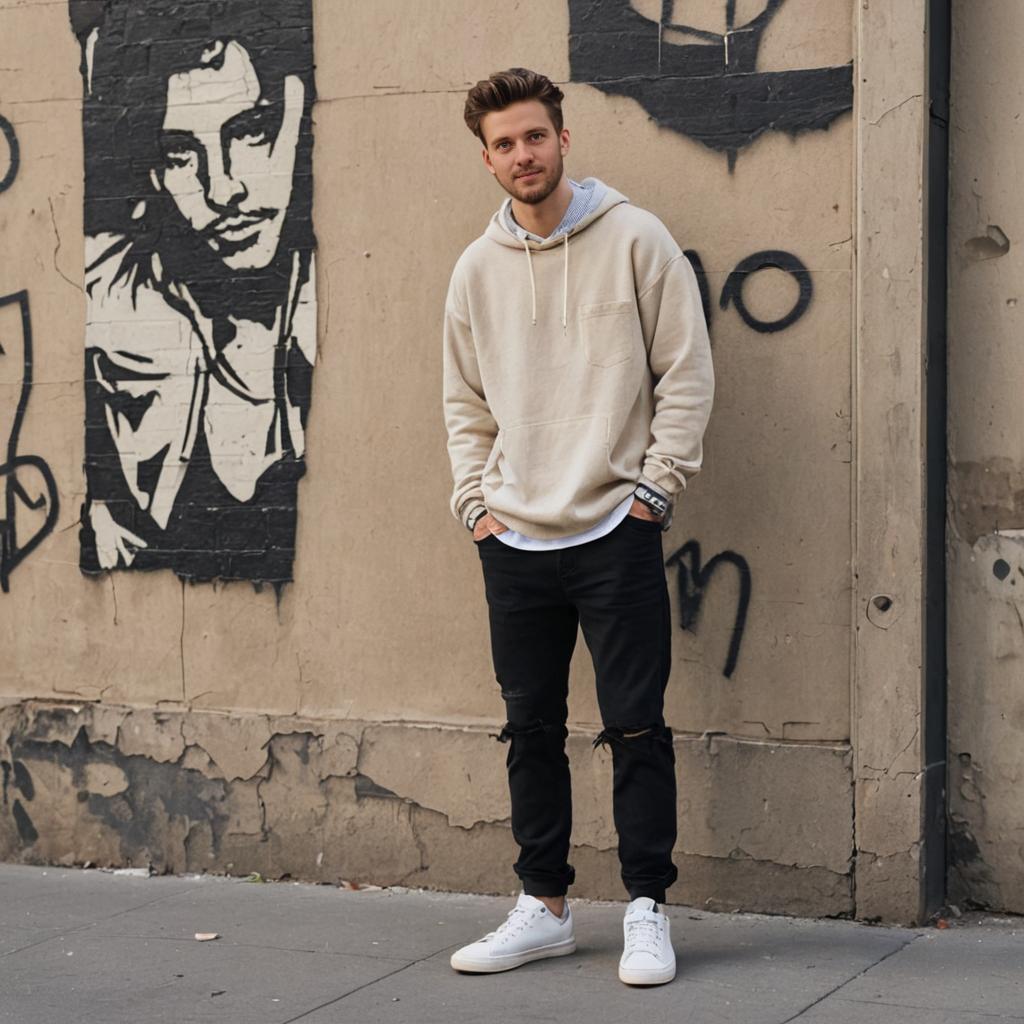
[(542, 218)]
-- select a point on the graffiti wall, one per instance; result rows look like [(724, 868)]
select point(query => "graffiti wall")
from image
[(162, 293), (201, 312), (30, 503)]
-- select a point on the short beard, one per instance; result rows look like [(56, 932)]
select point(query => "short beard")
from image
[(539, 197)]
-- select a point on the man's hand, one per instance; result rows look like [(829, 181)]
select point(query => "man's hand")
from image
[(487, 524), (641, 511)]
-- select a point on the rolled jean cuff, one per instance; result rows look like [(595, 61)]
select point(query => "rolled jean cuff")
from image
[(656, 889), (548, 886), (658, 895)]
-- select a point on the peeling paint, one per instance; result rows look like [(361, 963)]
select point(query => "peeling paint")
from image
[(986, 497), (320, 797), (237, 745)]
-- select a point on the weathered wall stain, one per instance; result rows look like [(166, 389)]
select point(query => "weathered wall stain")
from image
[(201, 330), (40, 496), (972, 879), (708, 89), (986, 497)]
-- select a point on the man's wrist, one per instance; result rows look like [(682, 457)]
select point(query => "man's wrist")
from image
[(653, 500), (474, 517)]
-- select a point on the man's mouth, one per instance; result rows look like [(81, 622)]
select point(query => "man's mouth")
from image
[(237, 226), (527, 175)]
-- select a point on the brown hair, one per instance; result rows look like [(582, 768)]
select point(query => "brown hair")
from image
[(503, 89)]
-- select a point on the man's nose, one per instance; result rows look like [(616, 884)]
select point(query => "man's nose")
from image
[(524, 155), (223, 189)]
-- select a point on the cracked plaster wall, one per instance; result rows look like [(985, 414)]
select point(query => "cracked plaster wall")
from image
[(985, 534), (398, 804)]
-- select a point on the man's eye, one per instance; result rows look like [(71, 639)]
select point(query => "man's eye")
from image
[(253, 138), (178, 157), (255, 128)]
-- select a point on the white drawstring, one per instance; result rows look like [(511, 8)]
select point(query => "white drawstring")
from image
[(565, 287), (533, 284)]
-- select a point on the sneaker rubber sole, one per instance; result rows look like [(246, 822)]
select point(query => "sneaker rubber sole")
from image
[(660, 977), (493, 965)]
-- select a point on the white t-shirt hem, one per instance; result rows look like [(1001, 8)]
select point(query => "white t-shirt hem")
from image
[(604, 527)]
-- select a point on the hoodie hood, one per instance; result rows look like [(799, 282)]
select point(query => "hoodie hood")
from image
[(497, 232)]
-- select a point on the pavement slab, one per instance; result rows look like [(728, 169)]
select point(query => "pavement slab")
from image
[(977, 970), (93, 947), (80, 979), (848, 1011)]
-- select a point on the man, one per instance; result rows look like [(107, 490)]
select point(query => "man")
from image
[(577, 387), (201, 330)]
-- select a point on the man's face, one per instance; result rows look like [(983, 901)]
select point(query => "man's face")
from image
[(523, 150), (229, 155)]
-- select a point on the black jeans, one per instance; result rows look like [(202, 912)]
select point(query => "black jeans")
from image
[(614, 588)]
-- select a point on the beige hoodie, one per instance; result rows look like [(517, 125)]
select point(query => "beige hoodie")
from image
[(573, 369)]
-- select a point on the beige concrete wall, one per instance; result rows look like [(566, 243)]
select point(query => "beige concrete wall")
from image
[(986, 483), (890, 458), (377, 654)]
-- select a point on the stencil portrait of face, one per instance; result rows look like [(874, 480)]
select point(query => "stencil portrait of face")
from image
[(200, 333), (228, 155)]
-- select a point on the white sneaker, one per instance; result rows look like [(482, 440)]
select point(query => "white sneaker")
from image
[(648, 957), (530, 932)]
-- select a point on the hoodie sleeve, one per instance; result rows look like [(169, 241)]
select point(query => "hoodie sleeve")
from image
[(471, 427), (679, 355)]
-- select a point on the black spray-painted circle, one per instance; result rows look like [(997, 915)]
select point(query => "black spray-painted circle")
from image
[(7, 131), (784, 261)]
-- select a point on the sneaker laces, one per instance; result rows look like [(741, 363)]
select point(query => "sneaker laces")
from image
[(515, 921), (643, 934)]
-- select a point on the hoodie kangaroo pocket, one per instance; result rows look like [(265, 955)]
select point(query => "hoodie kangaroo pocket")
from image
[(547, 467), (611, 332)]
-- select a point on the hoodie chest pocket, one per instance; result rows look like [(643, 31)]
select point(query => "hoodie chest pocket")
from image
[(611, 332)]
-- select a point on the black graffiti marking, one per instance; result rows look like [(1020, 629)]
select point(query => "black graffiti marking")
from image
[(26, 830), (11, 554), (709, 90), (23, 783), (785, 261), (732, 291), (7, 131), (693, 582), (702, 283)]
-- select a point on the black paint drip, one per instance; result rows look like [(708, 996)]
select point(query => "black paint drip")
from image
[(709, 90)]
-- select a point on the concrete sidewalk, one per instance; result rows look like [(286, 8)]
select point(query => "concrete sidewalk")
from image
[(88, 947)]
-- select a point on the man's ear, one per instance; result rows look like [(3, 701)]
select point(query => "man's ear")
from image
[(563, 138), (155, 181), (487, 160)]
